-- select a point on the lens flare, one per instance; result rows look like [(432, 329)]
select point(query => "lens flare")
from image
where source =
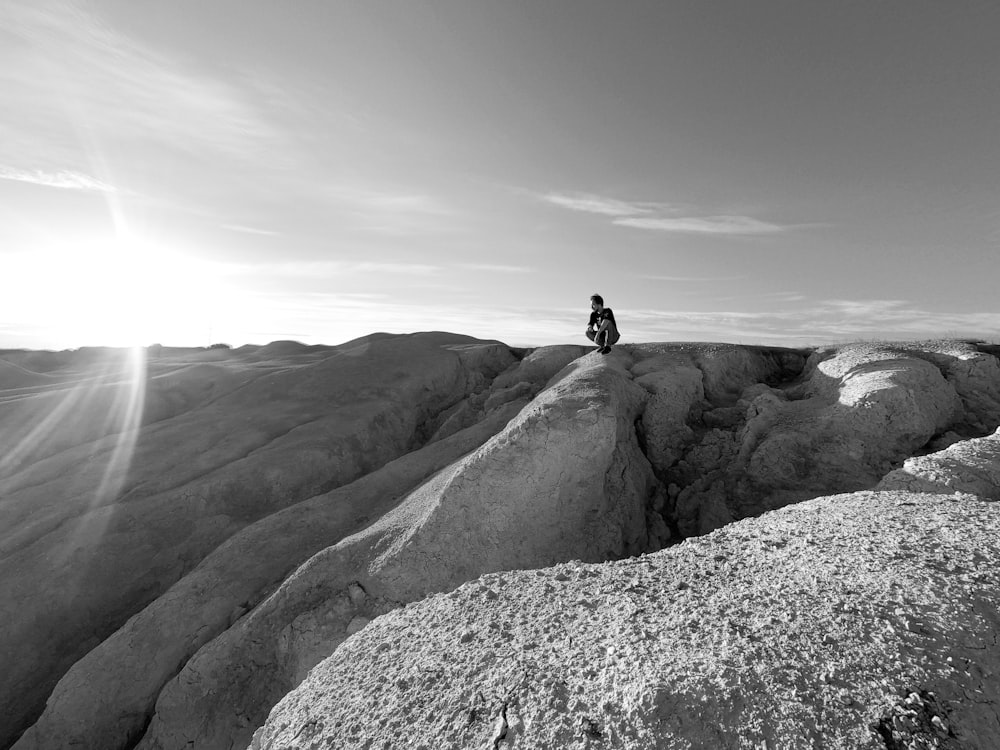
[(81, 420)]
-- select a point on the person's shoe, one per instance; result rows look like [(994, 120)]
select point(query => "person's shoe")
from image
[(605, 350)]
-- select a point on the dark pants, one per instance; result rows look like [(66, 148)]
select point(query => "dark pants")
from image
[(607, 337)]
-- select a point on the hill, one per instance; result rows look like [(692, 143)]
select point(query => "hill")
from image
[(183, 541)]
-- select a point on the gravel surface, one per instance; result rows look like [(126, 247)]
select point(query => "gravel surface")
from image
[(867, 620)]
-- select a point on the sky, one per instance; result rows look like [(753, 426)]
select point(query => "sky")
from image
[(787, 172)]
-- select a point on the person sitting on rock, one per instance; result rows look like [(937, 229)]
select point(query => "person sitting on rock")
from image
[(602, 328)]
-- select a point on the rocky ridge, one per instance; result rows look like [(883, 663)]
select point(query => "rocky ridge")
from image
[(125, 474), (593, 458), (866, 620)]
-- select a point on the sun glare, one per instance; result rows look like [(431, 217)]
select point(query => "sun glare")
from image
[(123, 292)]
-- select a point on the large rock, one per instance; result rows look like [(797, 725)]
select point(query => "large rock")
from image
[(102, 516), (266, 503), (563, 480), (970, 466), (858, 411), (105, 700), (854, 622), (521, 380), (975, 375)]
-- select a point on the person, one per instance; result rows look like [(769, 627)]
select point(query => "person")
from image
[(602, 328)]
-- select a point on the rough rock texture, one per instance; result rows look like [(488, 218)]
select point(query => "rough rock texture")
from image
[(103, 509), (857, 621), (974, 372), (565, 479), (766, 439), (524, 380), (106, 698), (971, 466), (279, 499)]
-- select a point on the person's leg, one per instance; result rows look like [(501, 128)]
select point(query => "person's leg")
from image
[(610, 337)]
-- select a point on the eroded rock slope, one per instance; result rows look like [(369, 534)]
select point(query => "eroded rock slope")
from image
[(857, 621), (510, 462), (790, 430), (118, 478), (565, 479)]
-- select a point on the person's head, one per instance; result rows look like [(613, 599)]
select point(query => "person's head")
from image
[(596, 302)]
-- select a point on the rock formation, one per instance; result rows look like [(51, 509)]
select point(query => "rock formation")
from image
[(312, 499), (563, 480), (105, 509), (847, 622), (971, 466)]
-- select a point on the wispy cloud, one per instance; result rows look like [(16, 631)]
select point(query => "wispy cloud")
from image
[(64, 179), (805, 321), (249, 230), (72, 80), (417, 269), (496, 268), (596, 204), (390, 209), (728, 225), (386, 201), (328, 269), (688, 279), (662, 217)]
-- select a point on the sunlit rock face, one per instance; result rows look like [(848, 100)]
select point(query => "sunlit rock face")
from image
[(841, 422), (848, 622), (398, 468), (565, 479), (120, 474), (971, 466)]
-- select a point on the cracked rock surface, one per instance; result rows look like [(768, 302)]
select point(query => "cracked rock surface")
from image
[(118, 479), (564, 479), (971, 466), (774, 431), (443, 463), (867, 620)]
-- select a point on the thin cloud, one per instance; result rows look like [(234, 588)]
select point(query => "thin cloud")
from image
[(323, 269), (65, 179), (390, 210), (249, 230), (785, 296), (496, 268), (687, 279), (864, 308), (814, 322), (595, 204), (69, 75), (415, 269), (661, 217), (387, 201), (724, 225)]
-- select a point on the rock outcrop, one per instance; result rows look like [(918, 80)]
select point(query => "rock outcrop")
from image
[(103, 510), (269, 508), (565, 479), (971, 466), (768, 439), (848, 622)]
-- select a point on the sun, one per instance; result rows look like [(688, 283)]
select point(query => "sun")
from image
[(125, 291)]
